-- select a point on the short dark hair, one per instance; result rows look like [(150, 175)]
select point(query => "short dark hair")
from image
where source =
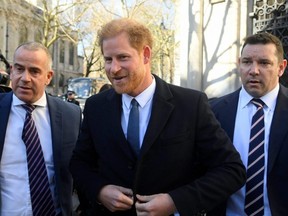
[(70, 92), (105, 87), (266, 38), (34, 46)]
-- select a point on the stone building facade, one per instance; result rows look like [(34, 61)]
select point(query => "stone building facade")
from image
[(210, 34), (20, 21)]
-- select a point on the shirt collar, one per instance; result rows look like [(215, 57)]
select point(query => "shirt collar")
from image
[(42, 102), (269, 99), (143, 98)]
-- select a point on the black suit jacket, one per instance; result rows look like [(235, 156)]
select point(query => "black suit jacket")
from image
[(184, 153), (65, 126), (277, 171)]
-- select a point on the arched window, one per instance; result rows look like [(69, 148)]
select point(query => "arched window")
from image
[(23, 34), (71, 54), (38, 36), (62, 51)]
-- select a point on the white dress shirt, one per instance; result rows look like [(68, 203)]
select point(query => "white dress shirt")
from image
[(14, 181), (245, 112), (145, 105)]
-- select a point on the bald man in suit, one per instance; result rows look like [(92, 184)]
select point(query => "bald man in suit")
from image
[(57, 123)]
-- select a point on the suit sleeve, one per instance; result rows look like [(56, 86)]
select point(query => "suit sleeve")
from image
[(223, 171), (84, 162)]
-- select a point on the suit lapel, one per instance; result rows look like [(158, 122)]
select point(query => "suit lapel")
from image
[(5, 107), (228, 113), (279, 127), (114, 111), (161, 110), (56, 128)]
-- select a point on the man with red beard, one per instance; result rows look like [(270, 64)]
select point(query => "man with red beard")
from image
[(175, 159)]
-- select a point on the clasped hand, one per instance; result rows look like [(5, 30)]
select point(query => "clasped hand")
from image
[(116, 198)]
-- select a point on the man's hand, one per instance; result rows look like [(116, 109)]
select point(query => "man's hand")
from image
[(116, 198), (155, 205)]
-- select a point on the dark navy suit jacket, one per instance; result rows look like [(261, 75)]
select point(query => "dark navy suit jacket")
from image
[(277, 171), (184, 153), (65, 125)]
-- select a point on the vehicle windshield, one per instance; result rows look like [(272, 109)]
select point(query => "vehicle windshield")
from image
[(82, 87)]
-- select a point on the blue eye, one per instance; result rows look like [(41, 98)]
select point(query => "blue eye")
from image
[(19, 69), (107, 60), (264, 63), (246, 61), (123, 57)]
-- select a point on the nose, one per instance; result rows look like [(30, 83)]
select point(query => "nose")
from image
[(25, 75), (115, 66), (254, 68)]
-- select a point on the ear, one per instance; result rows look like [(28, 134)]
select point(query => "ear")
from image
[(146, 54), (11, 70), (239, 61), (238, 64), (49, 76), (282, 67)]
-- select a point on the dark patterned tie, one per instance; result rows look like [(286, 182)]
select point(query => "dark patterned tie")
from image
[(41, 197), (133, 127), (255, 168)]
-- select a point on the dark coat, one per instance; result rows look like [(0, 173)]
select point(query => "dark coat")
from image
[(184, 153), (73, 101), (277, 173), (64, 137)]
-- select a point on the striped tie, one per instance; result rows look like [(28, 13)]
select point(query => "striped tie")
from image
[(255, 168), (41, 197)]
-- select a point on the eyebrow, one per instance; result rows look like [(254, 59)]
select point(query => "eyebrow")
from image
[(19, 65), (258, 58), (29, 68)]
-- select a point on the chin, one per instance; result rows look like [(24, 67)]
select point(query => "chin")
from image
[(255, 94), (119, 90), (24, 97)]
